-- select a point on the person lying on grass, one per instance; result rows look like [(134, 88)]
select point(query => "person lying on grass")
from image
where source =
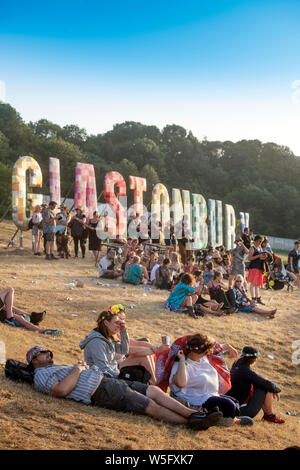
[(246, 305), (251, 390), (15, 317), (81, 383), (109, 348)]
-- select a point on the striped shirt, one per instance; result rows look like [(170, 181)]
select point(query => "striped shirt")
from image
[(89, 379)]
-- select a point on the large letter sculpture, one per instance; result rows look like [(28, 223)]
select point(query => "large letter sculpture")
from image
[(219, 223), (112, 179), (229, 227), (19, 189), (54, 179), (160, 211), (244, 218), (200, 229), (85, 188), (139, 185)]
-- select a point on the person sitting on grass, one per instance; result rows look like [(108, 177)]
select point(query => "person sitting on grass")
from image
[(136, 274), (15, 317), (109, 348), (251, 390), (163, 276), (246, 305), (106, 268), (184, 295), (217, 292), (81, 383), (206, 305), (194, 380), (208, 273), (190, 267)]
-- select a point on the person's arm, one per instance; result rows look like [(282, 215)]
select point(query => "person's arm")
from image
[(180, 377), (230, 349), (291, 263), (262, 383), (65, 386), (123, 346)]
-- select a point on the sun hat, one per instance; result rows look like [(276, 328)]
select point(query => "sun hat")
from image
[(33, 352)]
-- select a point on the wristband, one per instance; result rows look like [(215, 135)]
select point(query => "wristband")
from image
[(181, 360), (77, 367)]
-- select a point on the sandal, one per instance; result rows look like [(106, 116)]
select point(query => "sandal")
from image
[(52, 332)]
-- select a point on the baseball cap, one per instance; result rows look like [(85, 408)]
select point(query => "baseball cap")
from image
[(33, 352)]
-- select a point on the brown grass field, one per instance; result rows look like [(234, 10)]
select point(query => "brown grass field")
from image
[(31, 420)]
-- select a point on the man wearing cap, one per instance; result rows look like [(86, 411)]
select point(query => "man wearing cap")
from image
[(88, 385), (49, 224)]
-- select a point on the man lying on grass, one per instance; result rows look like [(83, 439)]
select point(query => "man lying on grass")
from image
[(81, 383)]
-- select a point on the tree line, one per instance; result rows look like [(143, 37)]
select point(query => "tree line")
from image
[(262, 179)]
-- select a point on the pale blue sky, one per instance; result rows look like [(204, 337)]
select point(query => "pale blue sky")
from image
[(222, 69)]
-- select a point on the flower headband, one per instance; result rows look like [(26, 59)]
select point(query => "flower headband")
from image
[(116, 308), (197, 348)]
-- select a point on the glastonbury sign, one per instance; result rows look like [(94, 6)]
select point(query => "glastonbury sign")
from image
[(203, 223)]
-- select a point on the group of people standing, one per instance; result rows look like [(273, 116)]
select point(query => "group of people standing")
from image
[(59, 225)]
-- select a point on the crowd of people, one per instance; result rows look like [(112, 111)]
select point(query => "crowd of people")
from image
[(126, 374)]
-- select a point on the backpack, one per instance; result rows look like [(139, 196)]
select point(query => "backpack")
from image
[(135, 373), (18, 371)]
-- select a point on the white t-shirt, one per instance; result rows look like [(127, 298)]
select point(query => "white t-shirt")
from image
[(202, 381), (104, 263), (152, 275)]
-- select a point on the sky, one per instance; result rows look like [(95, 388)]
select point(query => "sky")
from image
[(225, 70)]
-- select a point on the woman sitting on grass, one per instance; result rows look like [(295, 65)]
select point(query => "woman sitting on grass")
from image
[(217, 292), (194, 380), (15, 317), (246, 305), (109, 348), (206, 305), (251, 390), (184, 295), (136, 273)]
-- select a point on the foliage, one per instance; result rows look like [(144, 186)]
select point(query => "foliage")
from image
[(262, 179)]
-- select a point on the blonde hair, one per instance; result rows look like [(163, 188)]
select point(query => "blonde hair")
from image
[(239, 277)]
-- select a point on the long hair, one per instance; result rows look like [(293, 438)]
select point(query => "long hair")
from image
[(199, 343), (101, 327)]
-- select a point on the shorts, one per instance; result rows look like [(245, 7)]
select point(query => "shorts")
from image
[(246, 309), (49, 237), (121, 395), (35, 230)]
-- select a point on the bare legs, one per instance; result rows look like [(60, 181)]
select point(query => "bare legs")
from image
[(165, 408)]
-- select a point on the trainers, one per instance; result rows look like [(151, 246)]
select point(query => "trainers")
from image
[(245, 421), (52, 256), (201, 420), (273, 419), (52, 332)]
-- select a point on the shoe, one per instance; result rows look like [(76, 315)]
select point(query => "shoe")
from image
[(39, 253), (36, 254), (62, 255), (273, 419), (201, 420), (191, 313), (229, 310), (52, 256), (48, 257), (245, 421), (52, 332), (258, 300), (37, 317)]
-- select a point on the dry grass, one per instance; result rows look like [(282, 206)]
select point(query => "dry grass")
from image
[(30, 420)]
